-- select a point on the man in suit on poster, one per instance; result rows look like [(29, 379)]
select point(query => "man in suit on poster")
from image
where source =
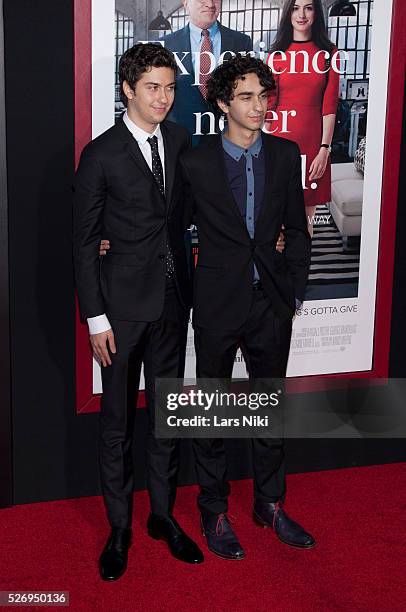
[(245, 291), (203, 34), (128, 188)]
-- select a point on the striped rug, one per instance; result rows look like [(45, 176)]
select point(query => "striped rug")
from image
[(329, 265)]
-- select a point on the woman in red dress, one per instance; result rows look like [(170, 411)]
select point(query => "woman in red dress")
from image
[(303, 105)]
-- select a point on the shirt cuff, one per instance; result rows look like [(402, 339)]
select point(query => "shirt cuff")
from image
[(98, 324)]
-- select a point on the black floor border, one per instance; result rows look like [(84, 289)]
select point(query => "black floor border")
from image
[(6, 479)]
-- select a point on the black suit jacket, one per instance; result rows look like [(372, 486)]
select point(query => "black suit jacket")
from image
[(116, 197), (224, 273), (188, 98)]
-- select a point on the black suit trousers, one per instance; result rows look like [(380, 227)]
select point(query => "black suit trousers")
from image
[(161, 346), (265, 340)]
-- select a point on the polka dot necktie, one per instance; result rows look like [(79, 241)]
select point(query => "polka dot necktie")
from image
[(158, 173), (205, 63)]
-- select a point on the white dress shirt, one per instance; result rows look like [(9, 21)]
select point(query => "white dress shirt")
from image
[(100, 324), (141, 136)]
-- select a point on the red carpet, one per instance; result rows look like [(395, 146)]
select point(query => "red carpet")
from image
[(357, 516)]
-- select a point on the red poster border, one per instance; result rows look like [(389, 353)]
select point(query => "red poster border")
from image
[(86, 401)]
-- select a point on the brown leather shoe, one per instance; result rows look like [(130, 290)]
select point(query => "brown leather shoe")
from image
[(267, 514)]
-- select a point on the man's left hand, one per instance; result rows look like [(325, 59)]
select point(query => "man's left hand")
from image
[(104, 247)]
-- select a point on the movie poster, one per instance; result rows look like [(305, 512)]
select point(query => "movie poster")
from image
[(333, 331)]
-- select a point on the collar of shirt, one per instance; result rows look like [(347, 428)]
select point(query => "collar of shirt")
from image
[(140, 135), (196, 33), (236, 152)]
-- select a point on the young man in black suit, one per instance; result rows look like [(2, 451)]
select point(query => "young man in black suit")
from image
[(243, 185), (203, 33), (128, 187)]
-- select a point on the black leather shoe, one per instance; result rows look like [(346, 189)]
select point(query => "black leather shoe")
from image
[(113, 560), (288, 531), (221, 539), (180, 545)]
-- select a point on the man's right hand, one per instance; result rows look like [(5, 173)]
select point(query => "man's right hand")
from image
[(101, 344), (104, 247), (280, 245)]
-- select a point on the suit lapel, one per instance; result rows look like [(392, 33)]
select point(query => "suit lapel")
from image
[(186, 47), (220, 171), (136, 155), (135, 152), (270, 177), (227, 43), (269, 162), (170, 163), (133, 149)]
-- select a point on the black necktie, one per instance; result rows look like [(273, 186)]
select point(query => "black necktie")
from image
[(158, 173)]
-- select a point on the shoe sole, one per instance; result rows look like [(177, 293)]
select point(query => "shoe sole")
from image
[(116, 577), (113, 579), (264, 525), (219, 554), (224, 556), (158, 537)]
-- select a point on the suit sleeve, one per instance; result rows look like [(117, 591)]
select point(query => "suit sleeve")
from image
[(88, 205), (297, 239)]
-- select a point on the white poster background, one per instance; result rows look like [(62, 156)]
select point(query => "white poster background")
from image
[(350, 317)]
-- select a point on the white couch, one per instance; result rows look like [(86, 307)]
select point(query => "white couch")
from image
[(347, 190)]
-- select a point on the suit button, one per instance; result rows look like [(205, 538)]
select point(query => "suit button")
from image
[(161, 255)]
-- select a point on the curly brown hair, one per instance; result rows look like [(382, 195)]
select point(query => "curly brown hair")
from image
[(141, 58), (225, 77)]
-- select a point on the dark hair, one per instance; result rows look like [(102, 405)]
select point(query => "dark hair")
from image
[(284, 35), (225, 77), (141, 58)]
